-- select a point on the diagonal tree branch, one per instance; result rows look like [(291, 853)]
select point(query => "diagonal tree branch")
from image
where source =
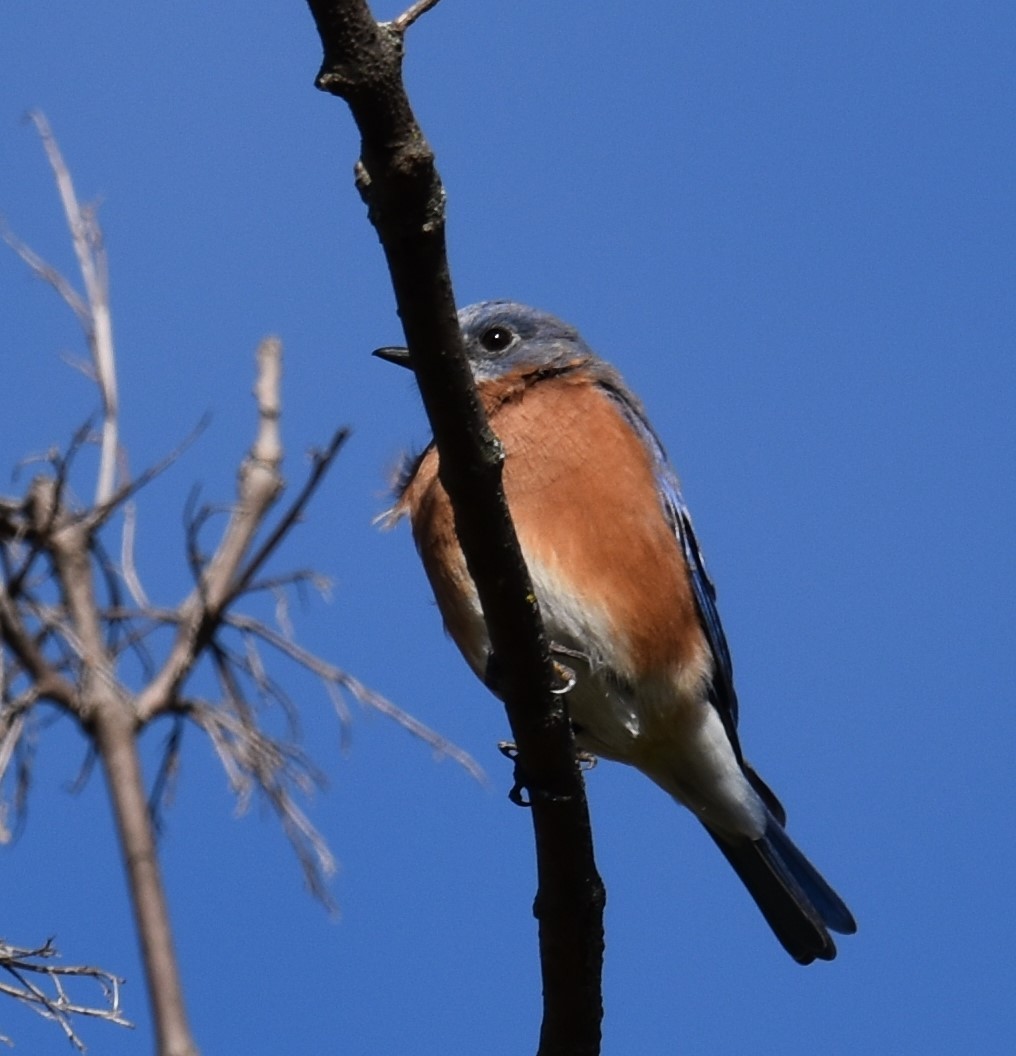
[(398, 181)]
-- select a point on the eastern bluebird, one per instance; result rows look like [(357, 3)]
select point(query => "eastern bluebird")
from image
[(624, 595)]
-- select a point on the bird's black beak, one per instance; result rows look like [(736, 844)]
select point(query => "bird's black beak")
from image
[(398, 356)]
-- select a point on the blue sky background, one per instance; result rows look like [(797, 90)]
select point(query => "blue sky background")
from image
[(791, 226)]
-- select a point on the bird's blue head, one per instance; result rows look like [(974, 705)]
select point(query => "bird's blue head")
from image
[(502, 337)]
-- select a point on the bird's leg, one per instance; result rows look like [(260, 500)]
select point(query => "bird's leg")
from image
[(566, 675), (565, 680)]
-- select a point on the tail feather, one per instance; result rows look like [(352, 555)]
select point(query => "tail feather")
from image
[(796, 901)]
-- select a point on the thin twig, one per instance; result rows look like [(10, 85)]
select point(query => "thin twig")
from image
[(331, 675), (22, 964), (165, 778), (320, 464), (101, 512), (411, 14), (127, 565), (253, 760), (47, 273), (86, 235), (13, 724), (48, 683)]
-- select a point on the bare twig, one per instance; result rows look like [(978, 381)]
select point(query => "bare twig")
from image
[(321, 462), (335, 680), (130, 571), (254, 761), (412, 13), (165, 778), (98, 323), (101, 512), (47, 273), (334, 676), (13, 725), (25, 965)]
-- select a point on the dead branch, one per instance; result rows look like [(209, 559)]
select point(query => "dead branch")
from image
[(26, 965), (259, 485), (93, 311), (255, 762), (321, 462), (65, 628)]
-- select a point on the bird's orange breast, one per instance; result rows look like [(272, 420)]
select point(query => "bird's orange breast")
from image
[(582, 492)]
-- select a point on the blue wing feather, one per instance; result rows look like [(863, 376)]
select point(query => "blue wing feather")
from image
[(722, 694), (702, 585), (721, 691)]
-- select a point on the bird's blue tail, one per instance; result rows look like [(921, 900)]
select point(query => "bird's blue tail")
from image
[(796, 901)]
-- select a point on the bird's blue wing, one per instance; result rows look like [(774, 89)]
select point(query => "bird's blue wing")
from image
[(722, 695), (721, 691)]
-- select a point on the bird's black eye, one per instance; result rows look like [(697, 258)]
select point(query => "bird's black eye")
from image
[(496, 338)]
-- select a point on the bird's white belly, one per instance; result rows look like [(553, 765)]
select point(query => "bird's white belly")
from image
[(664, 726)]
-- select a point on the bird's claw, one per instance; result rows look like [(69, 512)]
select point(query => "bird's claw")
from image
[(564, 679), (586, 760), (510, 750)]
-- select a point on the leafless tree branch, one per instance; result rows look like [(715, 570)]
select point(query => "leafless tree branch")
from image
[(66, 626), (26, 965), (59, 641), (340, 680), (255, 762)]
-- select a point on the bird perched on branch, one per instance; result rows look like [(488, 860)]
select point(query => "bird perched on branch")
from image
[(623, 592)]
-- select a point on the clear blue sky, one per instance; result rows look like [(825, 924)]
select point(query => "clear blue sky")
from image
[(791, 227)]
